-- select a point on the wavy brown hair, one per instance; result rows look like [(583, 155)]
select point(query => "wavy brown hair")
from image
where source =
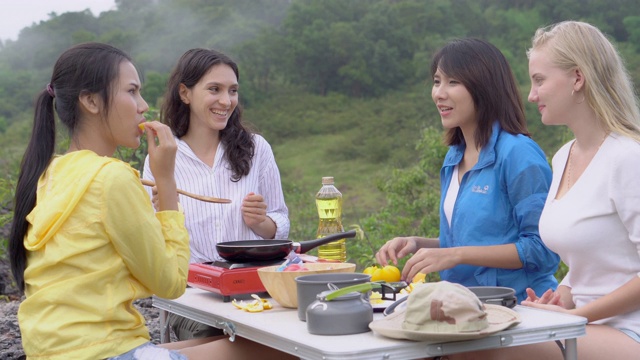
[(237, 136)]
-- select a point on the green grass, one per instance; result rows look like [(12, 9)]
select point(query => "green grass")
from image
[(304, 161)]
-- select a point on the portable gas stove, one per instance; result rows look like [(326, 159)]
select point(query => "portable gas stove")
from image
[(227, 278)]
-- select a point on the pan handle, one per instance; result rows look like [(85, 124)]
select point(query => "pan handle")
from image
[(310, 244)]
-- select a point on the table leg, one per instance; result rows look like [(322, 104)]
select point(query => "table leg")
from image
[(571, 349), (164, 327)]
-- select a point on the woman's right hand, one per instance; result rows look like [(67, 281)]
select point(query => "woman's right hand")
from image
[(162, 149), (395, 249)]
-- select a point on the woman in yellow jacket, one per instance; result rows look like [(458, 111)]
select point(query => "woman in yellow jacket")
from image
[(85, 241)]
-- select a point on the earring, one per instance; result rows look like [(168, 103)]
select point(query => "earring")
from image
[(572, 91)]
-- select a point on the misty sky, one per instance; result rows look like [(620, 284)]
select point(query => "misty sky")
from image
[(18, 14)]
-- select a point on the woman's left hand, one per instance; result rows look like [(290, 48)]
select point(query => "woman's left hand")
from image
[(254, 209), (549, 297), (155, 200), (428, 260)]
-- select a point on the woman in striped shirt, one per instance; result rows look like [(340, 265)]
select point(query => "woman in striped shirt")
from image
[(219, 156)]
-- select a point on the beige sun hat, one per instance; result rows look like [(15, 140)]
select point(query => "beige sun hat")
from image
[(444, 311)]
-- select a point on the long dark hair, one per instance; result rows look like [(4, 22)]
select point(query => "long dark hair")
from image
[(485, 72), (236, 136), (84, 68)]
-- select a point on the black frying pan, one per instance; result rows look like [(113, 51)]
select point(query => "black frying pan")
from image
[(243, 251)]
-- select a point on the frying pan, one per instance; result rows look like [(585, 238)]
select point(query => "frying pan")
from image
[(243, 251)]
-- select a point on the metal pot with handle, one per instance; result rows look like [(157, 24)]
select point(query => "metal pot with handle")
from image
[(243, 251), (341, 311)]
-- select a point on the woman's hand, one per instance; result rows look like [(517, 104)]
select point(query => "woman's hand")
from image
[(395, 249), (549, 297), (427, 260), (156, 200), (254, 210), (162, 149), (254, 214), (399, 247), (550, 300), (556, 308)]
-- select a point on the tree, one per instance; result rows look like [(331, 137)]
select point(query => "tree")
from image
[(154, 87), (413, 200), (632, 26)]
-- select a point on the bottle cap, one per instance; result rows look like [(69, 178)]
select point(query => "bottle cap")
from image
[(327, 180)]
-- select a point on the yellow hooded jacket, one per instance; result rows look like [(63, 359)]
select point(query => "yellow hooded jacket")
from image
[(94, 245)]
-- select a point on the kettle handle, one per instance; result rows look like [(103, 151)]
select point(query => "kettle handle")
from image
[(362, 288)]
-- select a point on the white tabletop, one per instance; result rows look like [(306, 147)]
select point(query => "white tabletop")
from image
[(281, 329)]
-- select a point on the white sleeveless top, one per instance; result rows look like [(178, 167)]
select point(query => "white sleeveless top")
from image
[(452, 195)]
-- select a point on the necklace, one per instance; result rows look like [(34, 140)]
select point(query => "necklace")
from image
[(570, 160)]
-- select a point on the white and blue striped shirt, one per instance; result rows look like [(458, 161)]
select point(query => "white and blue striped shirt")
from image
[(210, 223)]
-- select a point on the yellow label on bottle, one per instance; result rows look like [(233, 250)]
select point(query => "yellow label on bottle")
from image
[(329, 208)]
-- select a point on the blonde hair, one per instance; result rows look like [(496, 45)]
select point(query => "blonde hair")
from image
[(608, 88)]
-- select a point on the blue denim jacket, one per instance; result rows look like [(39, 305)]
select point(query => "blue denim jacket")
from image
[(499, 202)]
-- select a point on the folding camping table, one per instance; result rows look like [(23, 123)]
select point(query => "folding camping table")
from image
[(281, 329)]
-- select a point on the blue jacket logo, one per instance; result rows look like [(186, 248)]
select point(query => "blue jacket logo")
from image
[(479, 189)]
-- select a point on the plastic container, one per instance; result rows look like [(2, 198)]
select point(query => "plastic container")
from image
[(329, 205)]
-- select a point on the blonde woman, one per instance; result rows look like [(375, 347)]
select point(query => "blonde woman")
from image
[(592, 215)]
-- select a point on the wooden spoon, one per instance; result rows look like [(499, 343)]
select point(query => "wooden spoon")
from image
[(195, 196)]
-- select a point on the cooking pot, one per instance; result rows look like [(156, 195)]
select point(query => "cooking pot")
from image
[(243, 251), (496, 295)]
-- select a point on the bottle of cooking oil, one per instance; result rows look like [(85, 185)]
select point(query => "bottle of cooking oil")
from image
[(329, 204)]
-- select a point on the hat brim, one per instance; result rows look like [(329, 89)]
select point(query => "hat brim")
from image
[(499, 318)]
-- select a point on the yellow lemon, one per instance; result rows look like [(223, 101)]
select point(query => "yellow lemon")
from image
[(388, 273), (419, 278), (370, 270), (375, 298)]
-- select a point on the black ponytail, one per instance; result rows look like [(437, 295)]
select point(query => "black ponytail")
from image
[(34, 162), (88, 67)]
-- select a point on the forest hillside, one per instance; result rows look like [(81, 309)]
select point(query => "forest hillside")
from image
[(338, 87)]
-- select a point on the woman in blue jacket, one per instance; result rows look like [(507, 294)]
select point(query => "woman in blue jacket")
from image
[(494, 180)]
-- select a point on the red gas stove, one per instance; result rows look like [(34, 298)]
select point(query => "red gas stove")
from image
[(228, 279)]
